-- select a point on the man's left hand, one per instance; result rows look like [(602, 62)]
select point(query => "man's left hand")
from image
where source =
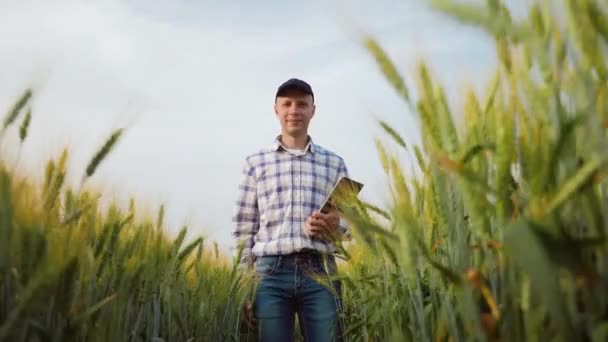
[(323, 225)]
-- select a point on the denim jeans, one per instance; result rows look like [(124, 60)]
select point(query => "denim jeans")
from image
[(296, 284)]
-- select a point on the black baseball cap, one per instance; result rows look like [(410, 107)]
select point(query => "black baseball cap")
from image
[(295, 83)]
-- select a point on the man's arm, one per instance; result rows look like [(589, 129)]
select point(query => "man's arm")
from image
[(246, 216)]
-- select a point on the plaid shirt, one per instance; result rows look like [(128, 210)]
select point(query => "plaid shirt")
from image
[(277, 194)]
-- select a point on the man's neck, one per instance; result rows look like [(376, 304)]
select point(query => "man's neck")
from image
[(294, 142)]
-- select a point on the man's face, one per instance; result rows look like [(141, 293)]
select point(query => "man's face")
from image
[(294, 110)]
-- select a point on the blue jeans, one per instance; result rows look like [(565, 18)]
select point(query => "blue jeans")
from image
[(289, 285)]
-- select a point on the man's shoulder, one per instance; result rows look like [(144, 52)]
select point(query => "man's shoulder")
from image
[(324, 151), (255, 158)]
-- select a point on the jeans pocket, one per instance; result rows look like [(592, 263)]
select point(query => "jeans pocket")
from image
[(266, 265), (323, 267)]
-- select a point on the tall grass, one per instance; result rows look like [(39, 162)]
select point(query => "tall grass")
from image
[(70, 272), (504, 235)]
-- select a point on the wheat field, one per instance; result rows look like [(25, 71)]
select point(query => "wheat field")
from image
[(501, 236)]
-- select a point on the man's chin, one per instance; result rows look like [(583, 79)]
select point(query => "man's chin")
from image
[(296, 132)]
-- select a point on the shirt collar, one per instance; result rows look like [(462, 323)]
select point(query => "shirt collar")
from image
[(277, 145)]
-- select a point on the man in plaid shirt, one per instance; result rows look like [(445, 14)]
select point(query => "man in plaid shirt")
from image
[(280, 231)]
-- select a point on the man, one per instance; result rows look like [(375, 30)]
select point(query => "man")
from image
[(280, 231)]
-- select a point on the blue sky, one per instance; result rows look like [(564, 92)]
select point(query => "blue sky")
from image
[(194, 81)]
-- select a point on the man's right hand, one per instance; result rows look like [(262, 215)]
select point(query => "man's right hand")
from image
[(323, 225)]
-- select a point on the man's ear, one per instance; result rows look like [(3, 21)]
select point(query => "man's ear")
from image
[(314, 109)]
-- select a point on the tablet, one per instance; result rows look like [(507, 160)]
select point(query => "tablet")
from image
[(345, 189)]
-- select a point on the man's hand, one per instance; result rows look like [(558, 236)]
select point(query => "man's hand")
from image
[(325, 226)]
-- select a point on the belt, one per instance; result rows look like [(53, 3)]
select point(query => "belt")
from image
[(305, 255), (312, 260)]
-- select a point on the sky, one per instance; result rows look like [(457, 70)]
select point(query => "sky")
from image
[(193, 82)]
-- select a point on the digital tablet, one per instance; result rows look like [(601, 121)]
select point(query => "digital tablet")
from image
[(345, 189)]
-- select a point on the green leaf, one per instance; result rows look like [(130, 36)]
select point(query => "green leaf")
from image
[(12, 114), (600, 332), (572, 184), (388, 129), (189, 248), (25, 125), (96, 307), (529, 251), (387, 67), (475, 150)]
